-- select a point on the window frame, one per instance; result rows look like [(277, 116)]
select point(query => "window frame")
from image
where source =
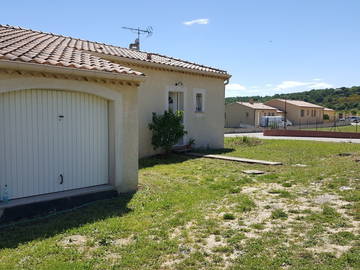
[(197, 92)]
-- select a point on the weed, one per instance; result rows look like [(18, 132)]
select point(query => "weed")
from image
[(287, 184), (343, 238), (246, 141), (228, 216), (258, 226), (278, 214), (281, 193)]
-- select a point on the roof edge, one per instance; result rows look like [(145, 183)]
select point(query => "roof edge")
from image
[(70, 71), (248, 105), (224, 76), (289, 101)]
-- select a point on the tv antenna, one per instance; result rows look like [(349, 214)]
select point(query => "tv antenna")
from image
[(136, 45)]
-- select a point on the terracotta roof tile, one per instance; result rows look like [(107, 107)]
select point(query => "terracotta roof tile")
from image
[(257, 106), (301, 103), (33, 46)]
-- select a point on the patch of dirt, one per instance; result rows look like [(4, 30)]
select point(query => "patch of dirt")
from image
[(178, 230), (212, 242), (330, 248), (74, 240), (326, 198), (123, 241), (78, 241), (170, 262), (255, 223)]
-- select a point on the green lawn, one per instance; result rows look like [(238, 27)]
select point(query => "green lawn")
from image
[(352, 128), (195, 213)]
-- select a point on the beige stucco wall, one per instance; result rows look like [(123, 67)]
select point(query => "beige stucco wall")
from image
[(207, 128), (123, 119), (237, 115), (293, 113), (332, 115)]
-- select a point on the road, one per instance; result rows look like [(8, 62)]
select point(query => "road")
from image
[(319, 139)]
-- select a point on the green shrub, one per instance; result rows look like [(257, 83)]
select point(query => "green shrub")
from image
[(167, 130)]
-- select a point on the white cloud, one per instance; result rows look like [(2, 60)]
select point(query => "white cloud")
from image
[(321, 85), (235, 86), (317, 79), (296, 85), (197, 21), (235, 89), (290, 84)]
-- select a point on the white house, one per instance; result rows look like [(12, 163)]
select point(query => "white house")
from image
[(74, 114)]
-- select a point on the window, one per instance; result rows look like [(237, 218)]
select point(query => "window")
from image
[(247, 114), (307, 112), (199, 100), (302, 113), (314, 113)]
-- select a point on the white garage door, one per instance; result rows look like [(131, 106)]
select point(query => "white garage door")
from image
[(52, 141)]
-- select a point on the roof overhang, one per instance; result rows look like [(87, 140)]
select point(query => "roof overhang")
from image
[(25, 66)]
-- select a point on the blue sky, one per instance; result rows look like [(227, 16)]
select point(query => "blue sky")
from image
[(276, 46)]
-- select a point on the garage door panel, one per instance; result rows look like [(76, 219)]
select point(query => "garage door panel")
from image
[(45, 134), (88, 142)]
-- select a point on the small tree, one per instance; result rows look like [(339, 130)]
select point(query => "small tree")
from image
[(167, 130)]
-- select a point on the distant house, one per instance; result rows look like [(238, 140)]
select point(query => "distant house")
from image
[(247, 114), (299, 112), (331, 114)]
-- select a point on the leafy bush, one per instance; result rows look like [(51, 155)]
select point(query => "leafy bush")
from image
[(326, 117), (167, 130)]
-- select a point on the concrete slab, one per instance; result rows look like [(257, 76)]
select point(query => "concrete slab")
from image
[(318, 139), (236, 159), (253, 172)]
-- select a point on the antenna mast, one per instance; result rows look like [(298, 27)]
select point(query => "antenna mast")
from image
[(138, 31)]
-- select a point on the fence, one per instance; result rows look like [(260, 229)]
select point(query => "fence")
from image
[(334, 126)]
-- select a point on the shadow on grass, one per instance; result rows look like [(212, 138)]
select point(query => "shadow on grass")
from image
[(163, 160), (214, 151), (178, 157), (42, 228)]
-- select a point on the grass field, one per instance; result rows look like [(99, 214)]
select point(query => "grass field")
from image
[(352, 128), (195, 213)]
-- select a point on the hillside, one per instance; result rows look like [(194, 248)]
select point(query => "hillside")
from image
[(335, 98)]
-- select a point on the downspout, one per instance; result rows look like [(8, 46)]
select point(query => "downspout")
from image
[(226, 82), (255, 118)]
